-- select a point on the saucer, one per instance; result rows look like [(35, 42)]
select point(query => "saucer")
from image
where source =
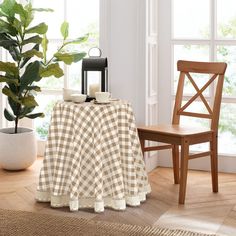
[(97, 102)]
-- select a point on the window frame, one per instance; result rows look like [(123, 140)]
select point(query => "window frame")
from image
[(58, 91), (45, 91), (166, 55)]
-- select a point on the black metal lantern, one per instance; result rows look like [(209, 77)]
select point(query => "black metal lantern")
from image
[(94, 64)]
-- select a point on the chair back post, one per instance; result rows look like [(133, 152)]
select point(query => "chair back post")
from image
[(217, 103), (178, 99)]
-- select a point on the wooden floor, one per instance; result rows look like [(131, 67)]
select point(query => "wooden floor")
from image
[(204, 211)]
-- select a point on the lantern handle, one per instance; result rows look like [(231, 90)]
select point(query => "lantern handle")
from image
[(100, 52)]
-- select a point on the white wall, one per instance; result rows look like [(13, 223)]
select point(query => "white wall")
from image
[(123, 42)]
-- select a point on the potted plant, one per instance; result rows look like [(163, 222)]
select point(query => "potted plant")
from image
[(27, 46)]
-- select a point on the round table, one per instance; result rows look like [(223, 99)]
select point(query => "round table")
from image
[(93, 158)]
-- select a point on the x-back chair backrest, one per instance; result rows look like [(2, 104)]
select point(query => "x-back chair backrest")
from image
[(216, 70)]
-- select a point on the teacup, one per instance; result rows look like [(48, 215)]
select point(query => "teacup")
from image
[(102, 96)]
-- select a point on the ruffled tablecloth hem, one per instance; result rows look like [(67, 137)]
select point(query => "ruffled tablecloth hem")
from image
[(98, 205)]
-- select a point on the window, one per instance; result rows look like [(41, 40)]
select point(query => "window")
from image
[(83, 17), (203, 30)]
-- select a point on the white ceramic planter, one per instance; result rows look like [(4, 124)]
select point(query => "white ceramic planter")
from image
[(17, 151)]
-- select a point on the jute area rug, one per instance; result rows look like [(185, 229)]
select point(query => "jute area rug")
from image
[(27, 223)]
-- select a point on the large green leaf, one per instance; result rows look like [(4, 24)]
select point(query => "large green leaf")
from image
[(2, 14), (79, 56), (30, 16), (7, 28), (8, 115), (10, 94), (51, 70), (25, 15), (35, 39), (23, 63), (17, 25), (6, 43), (78, 40), (12, 87), (10, 44), (35, 88), (19, 9), (65, 29), (25, 111), (29, 19), (9, 80), (35, 115), (32, 53), (30, 75), (68, 58), (42, 9), (14, 53), (45, 47), (4, 36), (29, 101), (38, 29), (9, 68), (14, 106), (7, 7)]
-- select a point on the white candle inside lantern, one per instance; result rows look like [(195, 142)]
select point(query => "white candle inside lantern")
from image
[(93, 88)]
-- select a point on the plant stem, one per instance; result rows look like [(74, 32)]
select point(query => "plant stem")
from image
[(62, 46), (16, 125), (18, 66)]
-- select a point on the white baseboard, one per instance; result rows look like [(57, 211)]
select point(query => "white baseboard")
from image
[(41, 147), (151, 161)]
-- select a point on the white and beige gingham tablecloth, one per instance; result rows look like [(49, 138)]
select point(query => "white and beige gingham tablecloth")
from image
[(93, 158)]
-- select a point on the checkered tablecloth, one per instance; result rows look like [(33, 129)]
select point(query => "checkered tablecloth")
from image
[(93, 158)]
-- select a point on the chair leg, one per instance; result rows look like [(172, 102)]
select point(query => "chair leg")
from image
[(183, 170), (142, 143), (175, 158), (214, 164)]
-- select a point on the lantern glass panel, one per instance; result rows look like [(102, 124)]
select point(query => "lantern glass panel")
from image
[(93, 82)]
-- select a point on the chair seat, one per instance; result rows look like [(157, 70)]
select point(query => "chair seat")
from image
[(175, 130)]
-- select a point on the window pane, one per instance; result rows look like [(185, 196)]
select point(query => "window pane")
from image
[(73, 71), (46, 105), (192, 53), (52, 82), (196, 122), (228, 54), (227, 129), (196, 107), (191, 19), (83, 16), (74, 75), (226, 19), (53, 19)]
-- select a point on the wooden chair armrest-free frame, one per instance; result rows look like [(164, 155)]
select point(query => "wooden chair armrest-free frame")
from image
[(177, 135)]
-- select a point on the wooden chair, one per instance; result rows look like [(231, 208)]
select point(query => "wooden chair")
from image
[(175, 134)]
